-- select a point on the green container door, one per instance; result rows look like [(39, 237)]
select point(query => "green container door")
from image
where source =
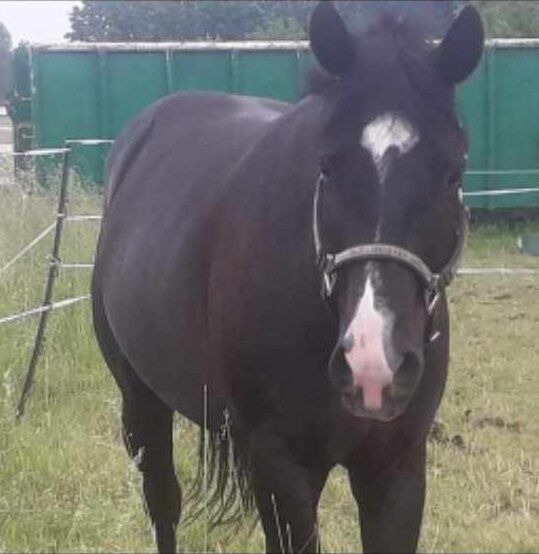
[(133, 81), (93, 91), (473, 111), (515, 127), (271, 74), (500, 109), (64, 104), (65, 97)]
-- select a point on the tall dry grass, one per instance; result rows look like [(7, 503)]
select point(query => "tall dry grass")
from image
[(66, 484)]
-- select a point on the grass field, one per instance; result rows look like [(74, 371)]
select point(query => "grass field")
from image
[(66, 484)]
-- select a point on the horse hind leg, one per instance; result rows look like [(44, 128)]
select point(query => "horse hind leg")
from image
[(147, 434)]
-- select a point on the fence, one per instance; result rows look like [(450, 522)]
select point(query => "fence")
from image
[(56, 263)]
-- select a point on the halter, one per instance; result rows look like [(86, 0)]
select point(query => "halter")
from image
[(433, 283)]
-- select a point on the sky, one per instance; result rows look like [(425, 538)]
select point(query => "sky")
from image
[(36, 21)]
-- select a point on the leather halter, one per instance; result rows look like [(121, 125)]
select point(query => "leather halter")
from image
[(434, 283)]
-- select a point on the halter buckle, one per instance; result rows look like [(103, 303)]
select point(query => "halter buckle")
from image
[(432, 295), (329, 284), (329, 277)]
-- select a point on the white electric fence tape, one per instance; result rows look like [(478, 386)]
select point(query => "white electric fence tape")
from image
[(47, 308), (28, 247)]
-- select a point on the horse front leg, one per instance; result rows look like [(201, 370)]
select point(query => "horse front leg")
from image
[(390, 501), (286, 494)]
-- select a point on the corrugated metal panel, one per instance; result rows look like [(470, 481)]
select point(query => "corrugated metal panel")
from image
[(93, 90), (87, 90), (134, 81), (514, 115), (204, 70)]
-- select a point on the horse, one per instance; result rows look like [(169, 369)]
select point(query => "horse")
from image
[(277, 274)]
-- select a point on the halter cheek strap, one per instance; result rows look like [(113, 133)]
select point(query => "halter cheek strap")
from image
[(434, 283)]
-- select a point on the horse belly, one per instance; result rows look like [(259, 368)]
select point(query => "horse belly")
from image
[(156, 242), (157, 318)]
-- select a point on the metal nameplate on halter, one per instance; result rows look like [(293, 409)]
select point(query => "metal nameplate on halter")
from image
[(431, 301), (329, 280)]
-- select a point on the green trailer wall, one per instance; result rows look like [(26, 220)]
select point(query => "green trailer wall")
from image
[(92, 90), (499, 107)]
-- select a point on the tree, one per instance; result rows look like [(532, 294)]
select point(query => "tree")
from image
[(510, 19), (158, 21), (128, 20), (279, 28), (5, 63)]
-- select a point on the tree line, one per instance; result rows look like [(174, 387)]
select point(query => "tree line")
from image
[(231, 19), (141, 20), (98, 20)]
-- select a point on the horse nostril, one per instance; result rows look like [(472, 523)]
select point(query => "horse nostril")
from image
[(409, 372)]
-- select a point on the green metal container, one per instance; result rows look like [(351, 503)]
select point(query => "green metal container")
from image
[(500, 109), (81, 91)]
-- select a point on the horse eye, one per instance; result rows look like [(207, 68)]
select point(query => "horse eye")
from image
[(454, 180)]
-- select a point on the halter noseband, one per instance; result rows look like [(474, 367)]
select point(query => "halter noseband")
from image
[(434, 283)]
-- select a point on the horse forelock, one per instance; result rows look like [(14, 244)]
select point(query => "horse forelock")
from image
[(394, 58)]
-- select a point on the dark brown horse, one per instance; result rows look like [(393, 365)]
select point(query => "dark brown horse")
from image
[(276, 273)]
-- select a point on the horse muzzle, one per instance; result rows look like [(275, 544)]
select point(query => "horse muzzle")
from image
[(370, 386)]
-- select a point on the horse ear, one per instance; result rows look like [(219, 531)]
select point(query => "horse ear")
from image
[(461, 49), (330, 40)]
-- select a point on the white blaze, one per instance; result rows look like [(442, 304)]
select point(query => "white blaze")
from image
[(386, 131), (369, 329), (371, 326)]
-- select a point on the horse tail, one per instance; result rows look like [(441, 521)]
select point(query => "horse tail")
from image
[(222, 487)]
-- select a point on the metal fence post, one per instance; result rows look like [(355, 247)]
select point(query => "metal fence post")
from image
[(49, 286)]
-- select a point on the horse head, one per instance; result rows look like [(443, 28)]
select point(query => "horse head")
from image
[(388, 215)]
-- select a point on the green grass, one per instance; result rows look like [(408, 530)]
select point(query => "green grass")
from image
[(66, 483)]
